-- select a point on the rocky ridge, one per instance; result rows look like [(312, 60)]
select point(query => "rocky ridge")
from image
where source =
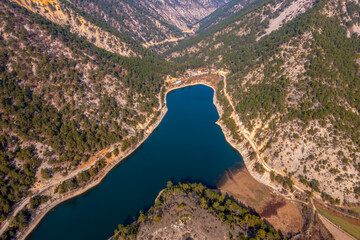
[(303, 136), (63, 102), (238, 23), (192, 211), (294, 85), (184, 13), (60, 13)]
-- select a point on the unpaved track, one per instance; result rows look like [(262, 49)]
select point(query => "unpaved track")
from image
[(24, 202), (5, 224), (337, 233)]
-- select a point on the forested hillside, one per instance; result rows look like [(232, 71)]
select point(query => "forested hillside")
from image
[(184, 13), (75, 79), (192, 211), (229, 9), (295, 86), (214, 44), (152, 23), (62, 99), (297, 92), (133, 18), (95, 30)]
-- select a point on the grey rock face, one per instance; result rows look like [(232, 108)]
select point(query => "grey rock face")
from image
[(183, 13)]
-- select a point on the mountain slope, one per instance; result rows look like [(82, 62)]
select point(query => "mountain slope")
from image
[(294, 81), (192, 211), (234, 31), (184, 13), (152, 23), (94, 30), (296, 93), (132, 18), (220, 14), (63, 99)]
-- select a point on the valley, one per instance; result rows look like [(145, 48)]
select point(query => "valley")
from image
[(122, 177), (84, 84)]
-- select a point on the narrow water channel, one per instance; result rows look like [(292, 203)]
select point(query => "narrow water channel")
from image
[(187, 144)]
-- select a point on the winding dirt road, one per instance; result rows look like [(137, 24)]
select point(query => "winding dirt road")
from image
[(336, 231), (5, 224)]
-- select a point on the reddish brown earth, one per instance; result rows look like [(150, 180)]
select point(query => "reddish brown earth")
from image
[(278, 211)]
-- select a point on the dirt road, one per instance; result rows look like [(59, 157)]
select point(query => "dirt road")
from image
[(337, 233), (24, 202)]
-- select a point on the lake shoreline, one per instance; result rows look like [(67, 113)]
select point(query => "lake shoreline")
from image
[(98, 179), (239, 147), (47, 207)]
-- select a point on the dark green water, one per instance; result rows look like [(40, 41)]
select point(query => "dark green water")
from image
[(187, 143)]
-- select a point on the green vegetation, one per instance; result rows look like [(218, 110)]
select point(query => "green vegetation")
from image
[(356, 210), (116, 152), (125, 144), (331, 66), (20, 221), (265, 90), (327, 197), (259, 168), (35, 202), (46, 173), (346, 225), (267, 98), (332, 59), (62, 99), (313, 184), (82, 178), (117, 16), (59, 100), (222, 13), (101, 23), (226, 116), (231, 43), (285, 181), (226, 209)]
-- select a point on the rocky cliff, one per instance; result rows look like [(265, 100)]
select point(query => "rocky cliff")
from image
[(66, 15), (133, 18), (151, 22), (184, 13)]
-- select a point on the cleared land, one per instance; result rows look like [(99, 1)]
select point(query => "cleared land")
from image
[(356, 210), (278, 211), (346, 225)]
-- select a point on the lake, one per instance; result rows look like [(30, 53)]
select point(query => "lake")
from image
[(186, 145)]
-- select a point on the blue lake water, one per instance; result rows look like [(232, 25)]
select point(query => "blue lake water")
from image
[(187, 144)]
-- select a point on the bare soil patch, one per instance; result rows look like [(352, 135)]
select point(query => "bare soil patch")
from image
[(278, 211), (272, 208)]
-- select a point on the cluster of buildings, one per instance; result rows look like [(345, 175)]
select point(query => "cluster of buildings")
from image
[(192, 73)]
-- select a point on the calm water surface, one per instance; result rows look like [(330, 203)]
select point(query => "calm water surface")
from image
[(187, 143)]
